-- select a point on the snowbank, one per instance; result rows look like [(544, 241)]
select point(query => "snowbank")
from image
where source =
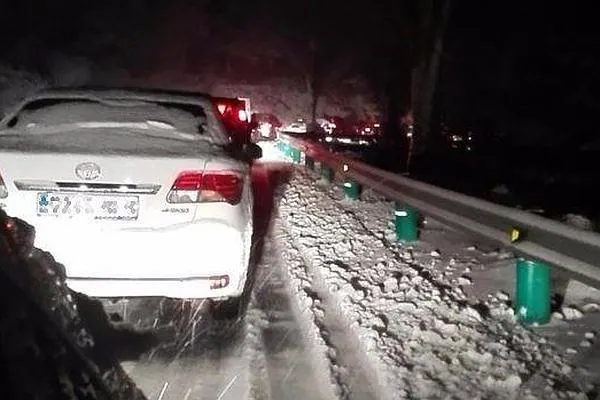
[(578, 221), (415, 325)]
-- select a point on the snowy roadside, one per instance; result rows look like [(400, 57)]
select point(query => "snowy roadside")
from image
[(412, 321)]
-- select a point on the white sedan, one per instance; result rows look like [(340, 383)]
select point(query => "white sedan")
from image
[(137, 193)]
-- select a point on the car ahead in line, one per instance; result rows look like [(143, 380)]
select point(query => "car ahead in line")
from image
[(265, 127), (137, 192), (236, 117)]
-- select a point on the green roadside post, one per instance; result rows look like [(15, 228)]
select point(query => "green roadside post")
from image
[(532, 292), (326, 172), (296, 157), (351, 189), (405, 223)]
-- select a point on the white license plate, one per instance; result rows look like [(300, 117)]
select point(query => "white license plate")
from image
[(92, 206)]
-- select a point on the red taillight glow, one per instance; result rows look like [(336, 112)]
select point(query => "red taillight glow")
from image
[(218, 282), (206, 187), (222, 108), (242, 115)]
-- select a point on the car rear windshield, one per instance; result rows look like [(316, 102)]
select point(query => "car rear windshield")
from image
[(86, 113)]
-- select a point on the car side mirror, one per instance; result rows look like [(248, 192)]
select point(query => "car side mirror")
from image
[(253, 151)]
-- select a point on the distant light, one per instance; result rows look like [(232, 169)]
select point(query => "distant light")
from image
[(328, 139)]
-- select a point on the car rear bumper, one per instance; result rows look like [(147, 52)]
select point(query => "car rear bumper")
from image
[(177, 262)]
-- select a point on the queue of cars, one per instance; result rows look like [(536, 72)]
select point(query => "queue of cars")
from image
[(140, 192)]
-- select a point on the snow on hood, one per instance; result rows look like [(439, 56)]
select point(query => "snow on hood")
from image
[(415, 325)]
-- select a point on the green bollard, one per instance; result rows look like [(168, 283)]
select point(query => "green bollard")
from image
[(351, 189), (296, 156), (326, 173), (532, 292), (405, 223)]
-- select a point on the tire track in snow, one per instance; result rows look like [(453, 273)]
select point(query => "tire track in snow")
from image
[(348, 364), (299, 281), (295, 360), (211, 365)]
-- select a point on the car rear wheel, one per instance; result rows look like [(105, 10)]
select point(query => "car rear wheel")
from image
[(231, 309)]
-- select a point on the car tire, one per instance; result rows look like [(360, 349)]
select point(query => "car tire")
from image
[(227, 318), (232, 309)]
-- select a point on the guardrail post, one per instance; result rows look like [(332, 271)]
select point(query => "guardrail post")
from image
[(405, 222), (326, 172), (351, 189), (296, 157), (532, 292), (310, 164)]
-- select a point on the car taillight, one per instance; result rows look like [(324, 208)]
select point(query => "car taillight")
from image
[(222, 108), (3, 189), (218, 282), (207, 187), (242, 115)]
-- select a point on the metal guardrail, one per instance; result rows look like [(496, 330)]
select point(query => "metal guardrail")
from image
[(557, 244)]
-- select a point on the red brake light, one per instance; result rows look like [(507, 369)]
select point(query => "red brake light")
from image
[(207, 187), (189, 180), (242, 115), (222, 108)]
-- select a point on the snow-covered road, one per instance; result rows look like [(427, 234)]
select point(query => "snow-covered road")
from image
[(269, 358), (341, 311)]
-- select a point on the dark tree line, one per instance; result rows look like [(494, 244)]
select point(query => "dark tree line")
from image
[(497, 68)]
